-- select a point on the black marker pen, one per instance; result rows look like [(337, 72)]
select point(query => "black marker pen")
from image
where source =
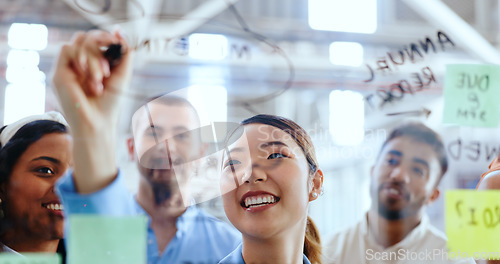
[(113, 54)]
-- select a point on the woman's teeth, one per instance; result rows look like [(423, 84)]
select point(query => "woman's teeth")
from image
[(260, 200), (58, 207)]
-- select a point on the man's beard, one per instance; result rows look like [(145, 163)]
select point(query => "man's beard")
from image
[(162, 191), (393, 214), (163, 188), (164, 182)]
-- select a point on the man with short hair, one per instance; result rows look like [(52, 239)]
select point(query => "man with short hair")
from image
[(163, 145), (404, 180)]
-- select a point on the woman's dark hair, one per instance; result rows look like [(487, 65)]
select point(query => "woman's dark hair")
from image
[(312, 241), (17, 145)]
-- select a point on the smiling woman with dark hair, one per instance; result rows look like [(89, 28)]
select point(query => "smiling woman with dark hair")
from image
[(269, 177), (35, 152)]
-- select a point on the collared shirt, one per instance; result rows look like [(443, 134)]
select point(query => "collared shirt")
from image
[(424, 244), (200, 238), (236, 257)]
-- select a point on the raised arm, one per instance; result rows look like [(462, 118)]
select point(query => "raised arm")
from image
[(90, 94)]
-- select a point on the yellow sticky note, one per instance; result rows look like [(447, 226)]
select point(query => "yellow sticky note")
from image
[(473, 223)]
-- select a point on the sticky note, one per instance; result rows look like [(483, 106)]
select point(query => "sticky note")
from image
[(473, 223), (30, 258), (471, 95), (107, 240)]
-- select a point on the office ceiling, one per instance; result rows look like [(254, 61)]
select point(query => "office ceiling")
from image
[(283, 19), (296, 82)]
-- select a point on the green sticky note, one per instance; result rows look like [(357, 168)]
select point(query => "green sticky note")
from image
[(100, 239), (471, 95), (473, 223), (30, 258)]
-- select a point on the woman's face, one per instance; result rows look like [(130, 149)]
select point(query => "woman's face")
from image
[(265, 182), (29, 197)]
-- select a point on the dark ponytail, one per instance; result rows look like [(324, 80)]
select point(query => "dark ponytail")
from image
[(312, 242)]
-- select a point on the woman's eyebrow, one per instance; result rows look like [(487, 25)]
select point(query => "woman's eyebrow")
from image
[(272, 144), (56, 161)]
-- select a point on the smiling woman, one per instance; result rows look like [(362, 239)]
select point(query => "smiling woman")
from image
[(269, 176), (35, 152)]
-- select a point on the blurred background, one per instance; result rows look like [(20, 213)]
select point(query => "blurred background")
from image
[(332, 66)]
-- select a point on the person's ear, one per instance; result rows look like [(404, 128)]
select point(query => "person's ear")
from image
[(317, 185), (433, 197), (131, 148)]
